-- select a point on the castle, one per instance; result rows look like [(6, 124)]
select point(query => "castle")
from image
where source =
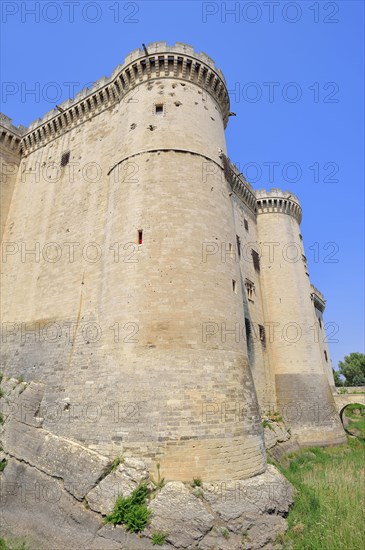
[(164, 303)]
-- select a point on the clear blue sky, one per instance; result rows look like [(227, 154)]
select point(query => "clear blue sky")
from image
[(312, 51)]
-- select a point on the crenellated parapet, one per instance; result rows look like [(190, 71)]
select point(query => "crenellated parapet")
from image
[(276, 200), (240, 186), (157, 61), (10, 135), (318, 299)]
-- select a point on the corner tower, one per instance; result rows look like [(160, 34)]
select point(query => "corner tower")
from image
[(171, 127), (303, 391), (10, 138)]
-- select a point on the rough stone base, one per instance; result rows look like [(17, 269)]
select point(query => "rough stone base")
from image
[(55, 494)]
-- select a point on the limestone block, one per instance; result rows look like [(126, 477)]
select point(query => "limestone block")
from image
[(37, 507), (79, 467), (245, 500), (216, 539), (180, 514), (28, 404), (275, 433), (123, 481), (264, 531), (127, 541)]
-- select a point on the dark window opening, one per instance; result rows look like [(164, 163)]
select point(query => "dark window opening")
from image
[(325, 356), (248, 328), (320, 322), (65, 158), (158, 109), (140, 236), (245, 222), (234, 286), (238, 240), (250, 289), (262, 334), (255, 259)]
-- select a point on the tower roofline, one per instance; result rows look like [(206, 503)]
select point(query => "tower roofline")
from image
[(318, 298), (179, 61), (10, 135), (278, 201)]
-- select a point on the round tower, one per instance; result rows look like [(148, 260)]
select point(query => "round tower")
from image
[(303, 392), (170, 210)]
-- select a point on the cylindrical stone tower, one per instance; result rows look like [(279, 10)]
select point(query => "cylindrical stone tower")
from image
[(303, 391), (169, 198)]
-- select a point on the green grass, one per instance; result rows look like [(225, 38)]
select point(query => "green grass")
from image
[(159, 538), (328, 509), (12, 545)]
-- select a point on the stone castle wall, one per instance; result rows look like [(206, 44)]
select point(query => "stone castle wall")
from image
[(145, 346)]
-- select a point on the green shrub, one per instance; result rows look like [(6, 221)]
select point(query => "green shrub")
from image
[(267, 424), (197, 482), (131, 511), (2, 468), (2, 393), (159, 538)]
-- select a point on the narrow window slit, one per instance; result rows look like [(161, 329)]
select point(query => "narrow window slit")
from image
[(65, 158)]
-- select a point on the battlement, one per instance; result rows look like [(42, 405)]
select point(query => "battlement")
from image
[(240, 186), (179, 48), (277, 200), (157, 62), (318, 298), (6, 123), (10, 135)]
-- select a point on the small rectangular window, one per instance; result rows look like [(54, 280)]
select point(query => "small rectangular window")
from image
[(65, 158), (234, 286), (262, 334), (159, 109), (320, 322), (255, 259), (140, 236), (250, 289), (246, 224), (325, 356)]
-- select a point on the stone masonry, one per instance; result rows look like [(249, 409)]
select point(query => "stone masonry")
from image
[(158, 301)]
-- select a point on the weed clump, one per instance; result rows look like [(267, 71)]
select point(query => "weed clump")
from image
[(131, 511), (159, 538)]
